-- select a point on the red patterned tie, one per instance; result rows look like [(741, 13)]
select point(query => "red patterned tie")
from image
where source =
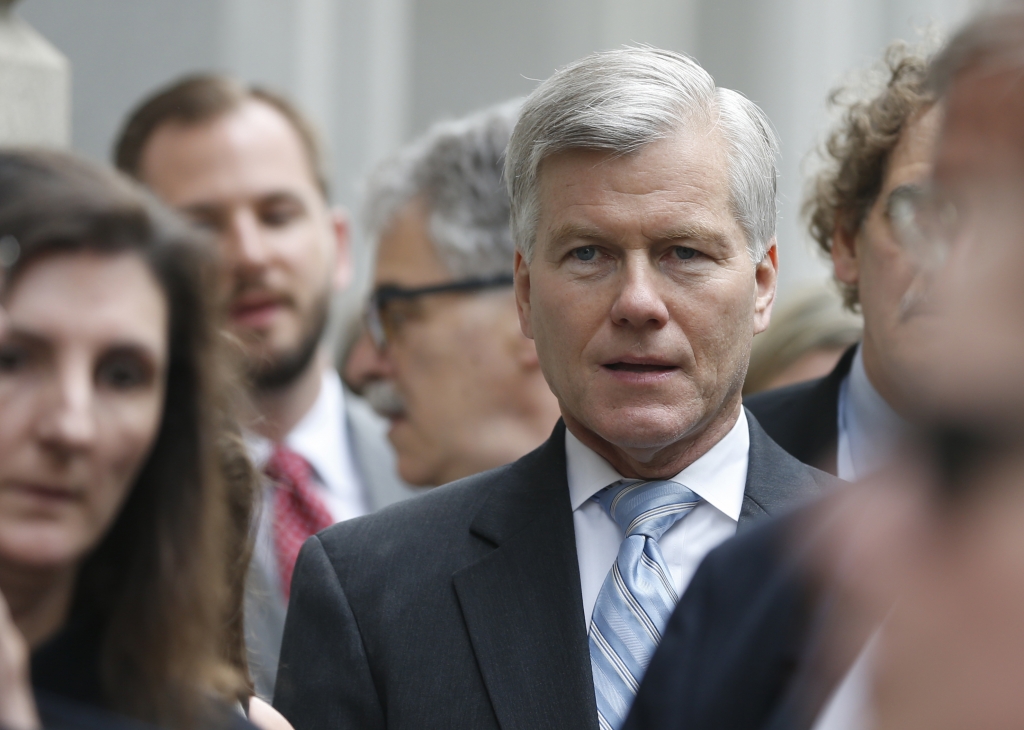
[(298, 510)]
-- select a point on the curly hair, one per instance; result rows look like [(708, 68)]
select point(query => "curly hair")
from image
[(858, 149)]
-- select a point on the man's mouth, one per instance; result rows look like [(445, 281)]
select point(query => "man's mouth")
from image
[(254, 311), (640, 366), (628, 367)]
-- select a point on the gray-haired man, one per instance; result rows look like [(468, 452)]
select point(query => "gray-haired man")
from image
[(443, 357), (532, 596)]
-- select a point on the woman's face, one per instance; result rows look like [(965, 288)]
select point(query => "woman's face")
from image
[(83, 360)]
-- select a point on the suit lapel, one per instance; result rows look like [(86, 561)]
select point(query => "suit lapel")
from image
[(522, 602), (775, 480), (820, 433)]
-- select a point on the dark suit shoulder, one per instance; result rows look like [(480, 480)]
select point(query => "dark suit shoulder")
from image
[(418, 531), (776, 480), (804, 418)]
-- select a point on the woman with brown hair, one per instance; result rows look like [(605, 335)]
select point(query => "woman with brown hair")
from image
[(116, 539)]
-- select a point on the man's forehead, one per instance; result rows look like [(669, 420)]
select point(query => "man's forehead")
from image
[(679, 181), (251, 151), (406, 256)]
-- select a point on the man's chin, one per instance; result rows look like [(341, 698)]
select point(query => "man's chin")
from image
[(642, 429)]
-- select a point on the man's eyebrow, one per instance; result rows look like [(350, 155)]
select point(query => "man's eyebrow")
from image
[(279, 196), (568, 231), (691, 232)]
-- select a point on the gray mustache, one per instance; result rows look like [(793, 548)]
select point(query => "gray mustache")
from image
[(384, 398)]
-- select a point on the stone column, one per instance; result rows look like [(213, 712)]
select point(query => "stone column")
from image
[(35, 85)]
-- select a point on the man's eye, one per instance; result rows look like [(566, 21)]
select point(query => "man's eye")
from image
[(586, 253), (684, 252), (279, 216)]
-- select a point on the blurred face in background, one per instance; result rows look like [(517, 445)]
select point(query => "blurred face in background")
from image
[(246, 178), (643, 300), (83, 361), (460, 384), (883, 260)]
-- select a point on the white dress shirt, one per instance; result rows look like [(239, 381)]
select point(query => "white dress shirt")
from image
[(322, 439), (870, 431), (719, 477)]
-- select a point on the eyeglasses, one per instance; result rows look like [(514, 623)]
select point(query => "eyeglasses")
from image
[(382, 324), (925, 223)]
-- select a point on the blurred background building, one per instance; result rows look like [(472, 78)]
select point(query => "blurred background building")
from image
[(373, 73)]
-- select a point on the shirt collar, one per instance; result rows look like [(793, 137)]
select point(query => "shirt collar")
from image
[(873, 428), (317, 437), (719, 477)]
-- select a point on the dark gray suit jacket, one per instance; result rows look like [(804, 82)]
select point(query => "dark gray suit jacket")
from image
[(462, 609)]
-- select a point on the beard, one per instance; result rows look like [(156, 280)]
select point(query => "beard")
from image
[(279, 370)]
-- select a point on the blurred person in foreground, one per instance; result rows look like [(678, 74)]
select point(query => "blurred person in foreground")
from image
[(443, 356), (114, 531), (852, 421), (744, 647), (949, 655), (643, 214), (246, 166), (806, 339)]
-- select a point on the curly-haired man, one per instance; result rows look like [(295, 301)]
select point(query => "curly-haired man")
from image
[(860, 209)]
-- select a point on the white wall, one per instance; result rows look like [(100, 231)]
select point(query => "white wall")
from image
[(372, 73)]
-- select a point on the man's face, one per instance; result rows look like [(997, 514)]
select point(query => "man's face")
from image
[(457, 362), (642, 298), (892, 282), (245, 177)]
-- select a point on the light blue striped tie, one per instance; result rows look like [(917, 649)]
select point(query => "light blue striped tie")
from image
[(637, 597)]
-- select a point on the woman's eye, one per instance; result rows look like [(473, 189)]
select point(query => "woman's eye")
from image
[(123, 373), (684, 252), (12, 358), (585, 253)]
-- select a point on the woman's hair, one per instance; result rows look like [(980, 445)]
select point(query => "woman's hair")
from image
[(857, 152), (158, 580)]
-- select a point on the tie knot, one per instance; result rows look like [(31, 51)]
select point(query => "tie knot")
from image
[(287, 467), (646, 508)]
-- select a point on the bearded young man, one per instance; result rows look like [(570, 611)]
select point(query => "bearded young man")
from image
[(245, 165)]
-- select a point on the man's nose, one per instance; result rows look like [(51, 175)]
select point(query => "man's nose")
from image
[(638, 302), (247, 244), (68, 423), (365, 363)]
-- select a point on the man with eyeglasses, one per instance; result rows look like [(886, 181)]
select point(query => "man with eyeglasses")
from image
[(861, 211), (441, 355)]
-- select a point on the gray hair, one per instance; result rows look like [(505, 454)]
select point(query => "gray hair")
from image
[(456, 168), (624, 100)]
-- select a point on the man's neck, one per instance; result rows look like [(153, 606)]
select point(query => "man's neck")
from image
[(878, 377), (39, 600), (662, 462), (278, 411)]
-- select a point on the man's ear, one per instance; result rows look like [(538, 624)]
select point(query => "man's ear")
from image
[(521, 269), (766, 279), (845, 259), (342, 275)]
